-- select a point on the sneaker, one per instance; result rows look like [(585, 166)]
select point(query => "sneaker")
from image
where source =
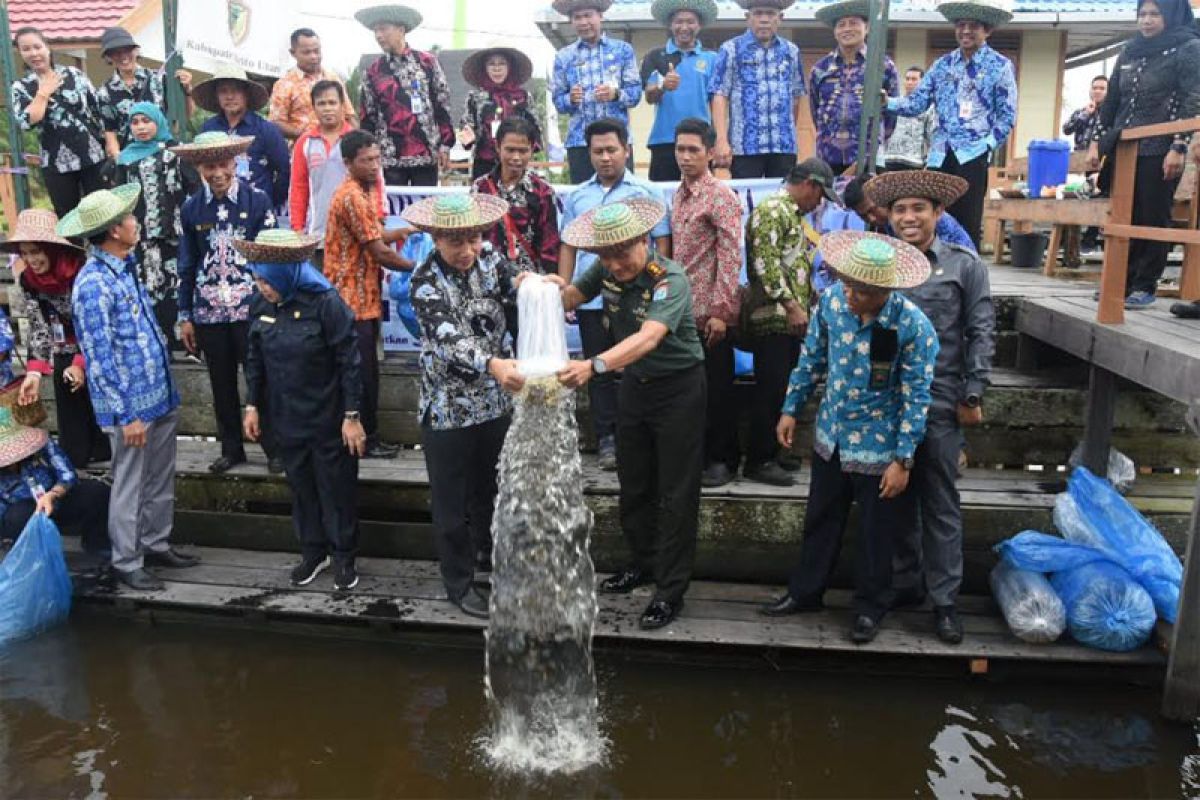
[(1139, 300), (345, 576), (865, 629), (307, 570), (607, 451)]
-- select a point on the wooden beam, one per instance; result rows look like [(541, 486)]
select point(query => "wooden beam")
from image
[(1051, 261), (1047, 211), (1181, 689), (1161, 129), (1169, 235), (1116, 250), (1101, 411)]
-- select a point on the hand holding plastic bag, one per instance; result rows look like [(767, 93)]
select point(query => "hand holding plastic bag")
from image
[(35, 588)]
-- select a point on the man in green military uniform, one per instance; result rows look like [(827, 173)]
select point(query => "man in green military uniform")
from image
[(660, 418)]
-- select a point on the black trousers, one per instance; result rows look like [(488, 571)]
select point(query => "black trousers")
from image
[(462, 465), (663, 166), (323, 477), (775, 357), (830, 496), (660, 455), (769, 165), (579, 162), (481, 167), (66, 189), (166, 312), (368, 351), (602, 389), (1153, 200), (78, 434), (224, 349), (411, 176), (968, 209), (83, 512), (721, 413)]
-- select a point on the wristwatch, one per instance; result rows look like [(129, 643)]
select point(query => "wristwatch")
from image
[(1179, 147), (973, 401), (598, 366), (907, 463), (351, 416)]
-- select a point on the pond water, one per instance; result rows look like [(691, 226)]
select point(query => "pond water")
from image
[(113, 707)]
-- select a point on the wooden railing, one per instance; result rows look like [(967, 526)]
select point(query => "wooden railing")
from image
[(1120, 228)]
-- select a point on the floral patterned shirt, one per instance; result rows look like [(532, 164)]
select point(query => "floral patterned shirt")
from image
[(706, 223), (877, 381), (835, 94), (462, 318), (166, 183), (51, 329), (483, 115), (36, 475), (609, 62), (116, 98), (528, 235), (910, 141), (405, 102), (72, 134), (291, 98), (354, 222), (782, 249), (762, 84)]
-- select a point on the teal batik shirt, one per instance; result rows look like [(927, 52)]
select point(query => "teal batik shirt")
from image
[(877, 381)]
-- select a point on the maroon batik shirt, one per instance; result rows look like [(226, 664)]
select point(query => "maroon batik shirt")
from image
[(405, 103), (528, 235)]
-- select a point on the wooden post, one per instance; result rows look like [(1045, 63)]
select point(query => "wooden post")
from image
[(1052, 251), (1189, 276), (1181, 690), (1116, 248), (1101, 410)]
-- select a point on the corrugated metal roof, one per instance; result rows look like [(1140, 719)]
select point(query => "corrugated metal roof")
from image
[(1100, 7), (69, 20)]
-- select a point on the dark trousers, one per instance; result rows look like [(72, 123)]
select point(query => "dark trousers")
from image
[(481, 167), (929, 549), (462, 465), (660, 455), (66, 189), (838, 168), (663, 166), (224, 349), (166, 312), (368, 352), (721, 416), (968, 209), (322, 476), (83, 512), (411, 176), (830, 496), (579, 162), (769, 165), (1153, 200), (775, 357), (78, 434), (602, 389)]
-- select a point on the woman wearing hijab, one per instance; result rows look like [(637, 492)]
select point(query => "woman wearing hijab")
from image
[(499, 75), (1155, 80), (46, 272), (303, 359), (166, 182)]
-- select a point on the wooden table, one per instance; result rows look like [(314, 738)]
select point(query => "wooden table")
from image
[(1060, 214)]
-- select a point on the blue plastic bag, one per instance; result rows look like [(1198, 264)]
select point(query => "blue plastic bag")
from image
[(1039, 552), (1106, 607), (35, 588), (416, 249)]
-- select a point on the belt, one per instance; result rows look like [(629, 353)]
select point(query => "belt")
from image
[(671, 375)]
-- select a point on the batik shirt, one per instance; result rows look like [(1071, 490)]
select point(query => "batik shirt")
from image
[(706, 226), (462, 318), (782, 251), (835, 94), (214, 283), (528, 235), (762, 83), (166, 183), (72, 134), (51, 329), (873, 412), (116, 98), (353, 223), (7, 345), (267, 164), (608, 61), (36, 475), (483, 115), (291, 97), (405, 103), (1081, 125), (976, 104), (910, 140), (128, 368)]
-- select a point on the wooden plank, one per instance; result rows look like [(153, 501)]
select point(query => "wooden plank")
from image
[(1051, 260), (1102, 405), (1116, 248), (1170, 235), (1181, 689), (1160, 129), (1048, 211)]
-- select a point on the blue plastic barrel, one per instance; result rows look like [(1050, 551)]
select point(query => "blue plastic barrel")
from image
[(1048, 162)]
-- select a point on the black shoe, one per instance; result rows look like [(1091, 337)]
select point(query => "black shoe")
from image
[(865, 629), (769, 473), (139, 580), (788, 605), (789, 462), (1186, 310), (625, 582), (473, 604), (275, 466), (907, 598), (607, 452), (171, 559), (659, 614), (225, 463), (307, 570), (345, 576), (716, 474), (949, 626)]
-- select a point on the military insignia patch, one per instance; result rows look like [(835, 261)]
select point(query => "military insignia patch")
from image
[(662, 291), (655, 271)]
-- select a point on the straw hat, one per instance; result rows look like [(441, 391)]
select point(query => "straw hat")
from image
[(35, 225), (278, 246), (17, 442), (614, 224), (205, 92), (213, 146), (943, 189), (832, 12), (874, 259), (520, 68), (456, 213), (405, 17), (99, 210), (569, 7), (778, 5), (992, 13), (663, 10)]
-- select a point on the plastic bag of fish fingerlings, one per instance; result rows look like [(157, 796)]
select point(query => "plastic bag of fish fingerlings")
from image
[(541, 332)]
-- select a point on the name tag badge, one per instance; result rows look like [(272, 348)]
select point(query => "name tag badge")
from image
[(701, 66), (495, 127), (881, 375), (266, 319), (417, 104), (966, 109)]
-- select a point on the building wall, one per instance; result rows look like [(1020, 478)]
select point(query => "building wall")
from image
[(912, 45), (1039, 78)]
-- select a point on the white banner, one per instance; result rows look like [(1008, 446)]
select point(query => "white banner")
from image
[(251, 34)]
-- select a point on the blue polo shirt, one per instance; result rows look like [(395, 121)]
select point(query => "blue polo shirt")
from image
[(591, 194), (690, 99)]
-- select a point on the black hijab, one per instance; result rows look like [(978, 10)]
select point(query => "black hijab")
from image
[(1179, 25)]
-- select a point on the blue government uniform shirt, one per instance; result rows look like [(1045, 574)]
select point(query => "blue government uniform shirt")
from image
[(270, 166), (761, 83), (608, 61), (591, 194), (35, 475), (690, 99)]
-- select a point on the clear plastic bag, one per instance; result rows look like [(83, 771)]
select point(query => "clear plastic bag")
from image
[(35, 587), (1031, 608), (542, 335), (1122, 472), (1106, 608)]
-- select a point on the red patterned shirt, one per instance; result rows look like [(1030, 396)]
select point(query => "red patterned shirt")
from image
[(528, 235), (405, 104), (706, 228)]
